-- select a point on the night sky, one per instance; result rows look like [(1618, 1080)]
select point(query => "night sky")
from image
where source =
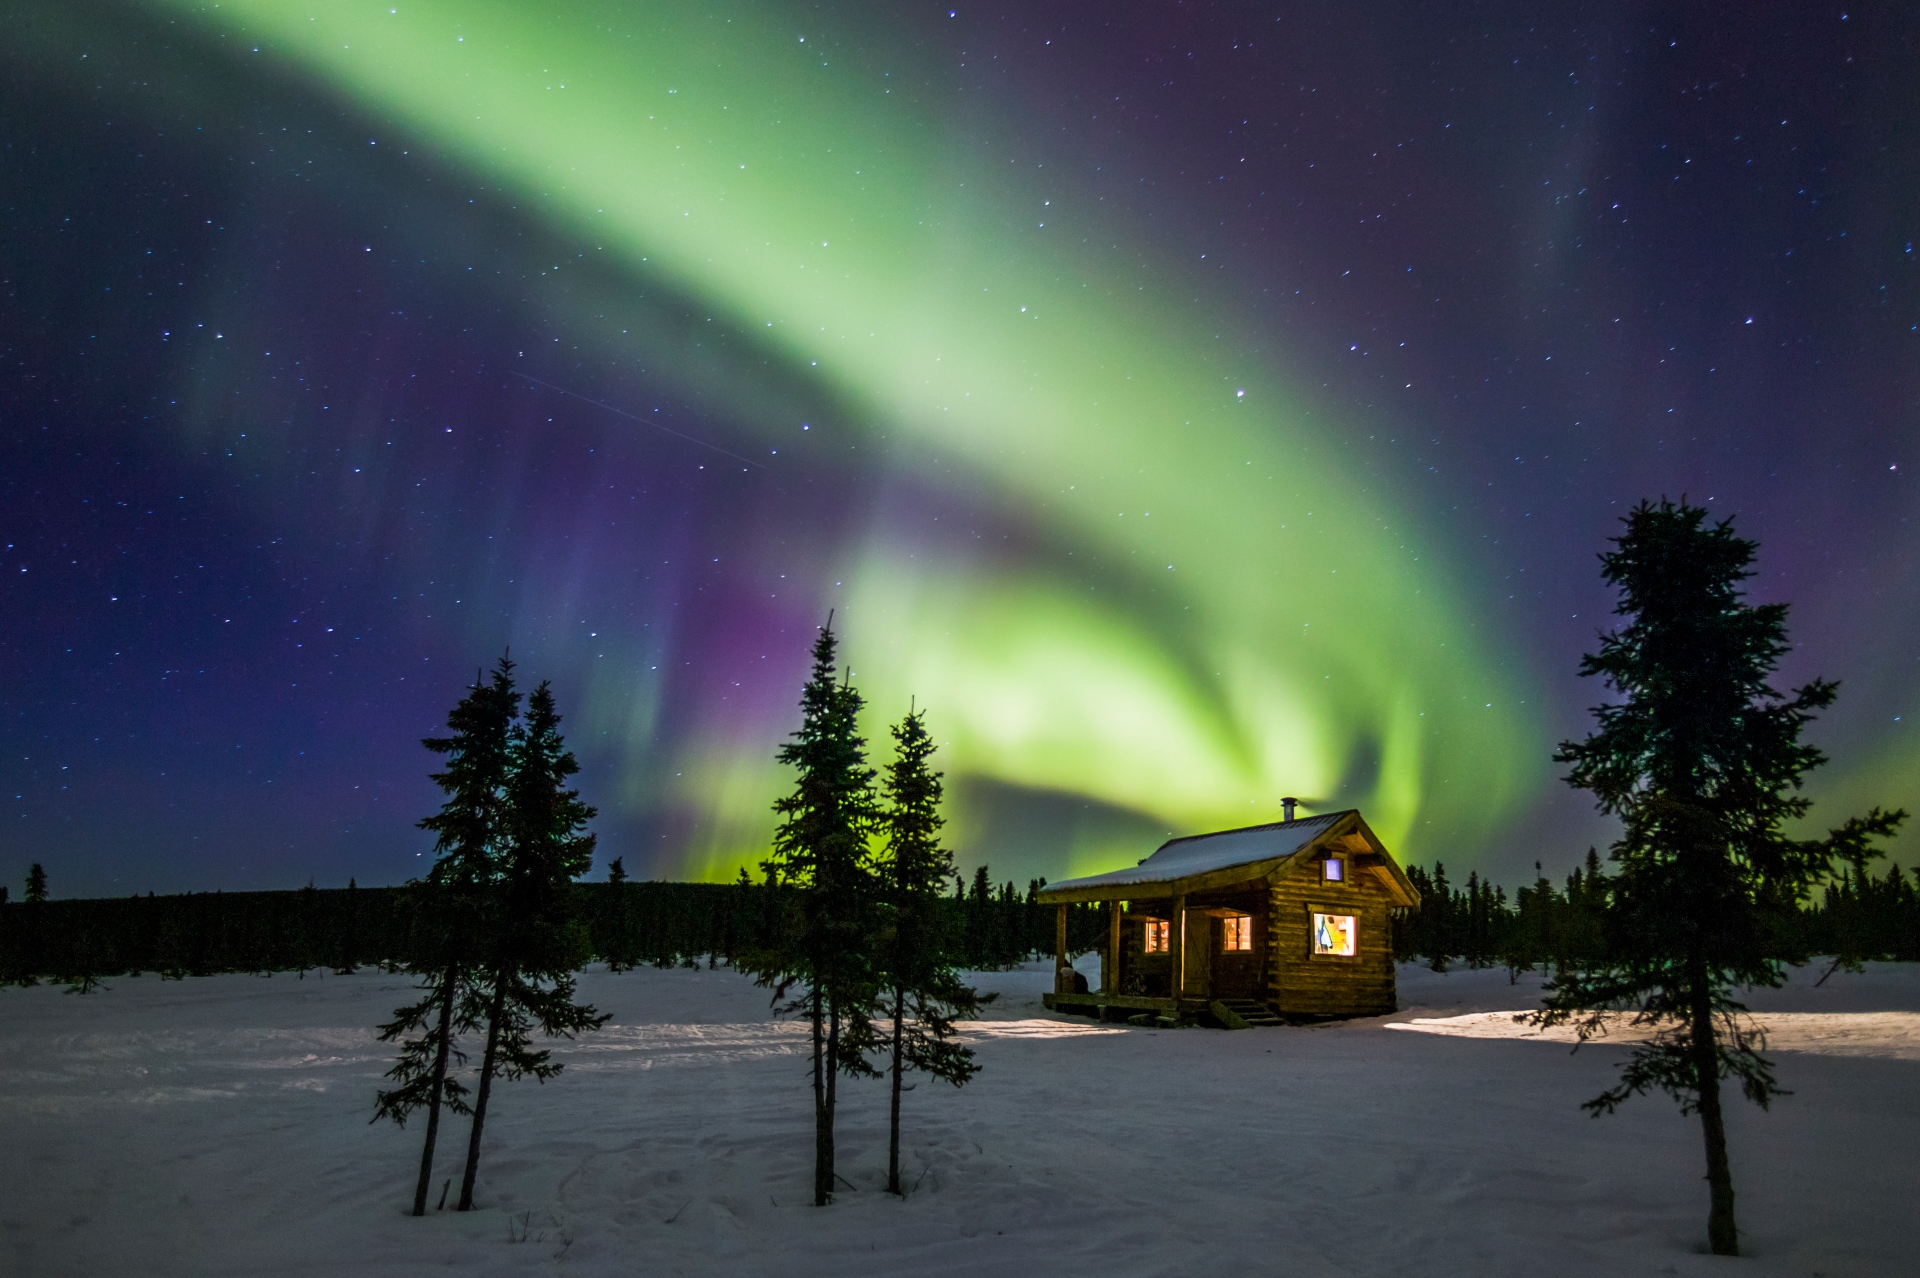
[(1189, 405)]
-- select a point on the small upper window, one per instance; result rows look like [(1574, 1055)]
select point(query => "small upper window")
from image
[(1333, 870), (1238, 932), (1157, 936)]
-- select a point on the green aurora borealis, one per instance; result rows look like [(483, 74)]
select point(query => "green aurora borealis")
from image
[(1279, 619), (1194, 594)]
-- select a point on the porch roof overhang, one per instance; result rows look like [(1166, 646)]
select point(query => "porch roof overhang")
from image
[(1209, 862)]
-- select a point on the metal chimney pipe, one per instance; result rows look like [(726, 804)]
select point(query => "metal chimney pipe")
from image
[(1287, 806)]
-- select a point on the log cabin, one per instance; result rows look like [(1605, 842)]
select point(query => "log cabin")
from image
[(1286, 921)]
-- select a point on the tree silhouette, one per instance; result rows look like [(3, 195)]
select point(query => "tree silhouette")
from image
[(449, 908), (1702, 762), (820, 855), (923, 994), (534, 946)]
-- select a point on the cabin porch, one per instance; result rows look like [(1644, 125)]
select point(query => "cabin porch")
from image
[(1177, 954), (1232, 1013), (1117, 1007)]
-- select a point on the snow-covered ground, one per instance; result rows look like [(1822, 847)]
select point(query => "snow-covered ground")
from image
[(219, 1126)]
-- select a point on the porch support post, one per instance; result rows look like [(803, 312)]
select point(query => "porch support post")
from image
[(1110, 976), (1062, 983), (1179, 945)]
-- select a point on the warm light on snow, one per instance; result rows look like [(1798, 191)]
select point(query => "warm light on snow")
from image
[(1891, 1035), (1049, 1028)]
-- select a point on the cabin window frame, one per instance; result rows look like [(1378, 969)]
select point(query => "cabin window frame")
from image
[(1333, 869), (1243, 924), (1160, 930), (1314, 953)]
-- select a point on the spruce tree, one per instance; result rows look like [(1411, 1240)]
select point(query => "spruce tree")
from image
[(447, 908), (1701, 760), (1439, 907), (536, 945), (924, 995), (980, 938), (617, 949), (820, 856), (36, 884), (347, 952)]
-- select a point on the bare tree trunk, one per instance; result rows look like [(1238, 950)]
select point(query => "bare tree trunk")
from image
[(822, 1120), (893, 1130), (1722, 1236), (433, 1103), (833, 1077), (494, 1011)]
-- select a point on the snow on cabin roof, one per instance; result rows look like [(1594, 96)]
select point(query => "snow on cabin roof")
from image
[(1203, 853)]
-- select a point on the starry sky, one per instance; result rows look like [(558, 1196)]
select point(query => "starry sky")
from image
[(1186, 404)]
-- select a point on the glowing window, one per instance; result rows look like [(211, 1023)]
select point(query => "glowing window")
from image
[(1334, 934), (1239, 933), (1333, 870), (1157, 936)]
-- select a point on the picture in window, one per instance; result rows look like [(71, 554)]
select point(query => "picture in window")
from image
[(1238, 932), (1333, 870), (1157, 936), (1334, 934)]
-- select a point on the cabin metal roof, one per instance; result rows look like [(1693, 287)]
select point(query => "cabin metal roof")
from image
[(1199, 854)]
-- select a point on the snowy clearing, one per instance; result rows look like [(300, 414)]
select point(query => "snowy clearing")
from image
[(219, 1126)]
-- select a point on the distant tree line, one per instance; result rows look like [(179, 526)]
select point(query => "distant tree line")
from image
[(1860, 917), (1546, 926), (628, 924), (665, 924), (1479, 925)]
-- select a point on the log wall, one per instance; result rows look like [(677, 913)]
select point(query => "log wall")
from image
[(1302, 983)]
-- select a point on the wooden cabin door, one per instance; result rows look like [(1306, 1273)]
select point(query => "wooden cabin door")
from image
[(1199, 955)]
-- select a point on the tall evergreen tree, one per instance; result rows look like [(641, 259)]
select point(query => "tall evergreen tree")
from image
[(820, 856), (36, 884), (618, 952), (448, 905), (1701, 760), (1439, 909), (535, 944), (981, 942), (347, 951), (923, 994)]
